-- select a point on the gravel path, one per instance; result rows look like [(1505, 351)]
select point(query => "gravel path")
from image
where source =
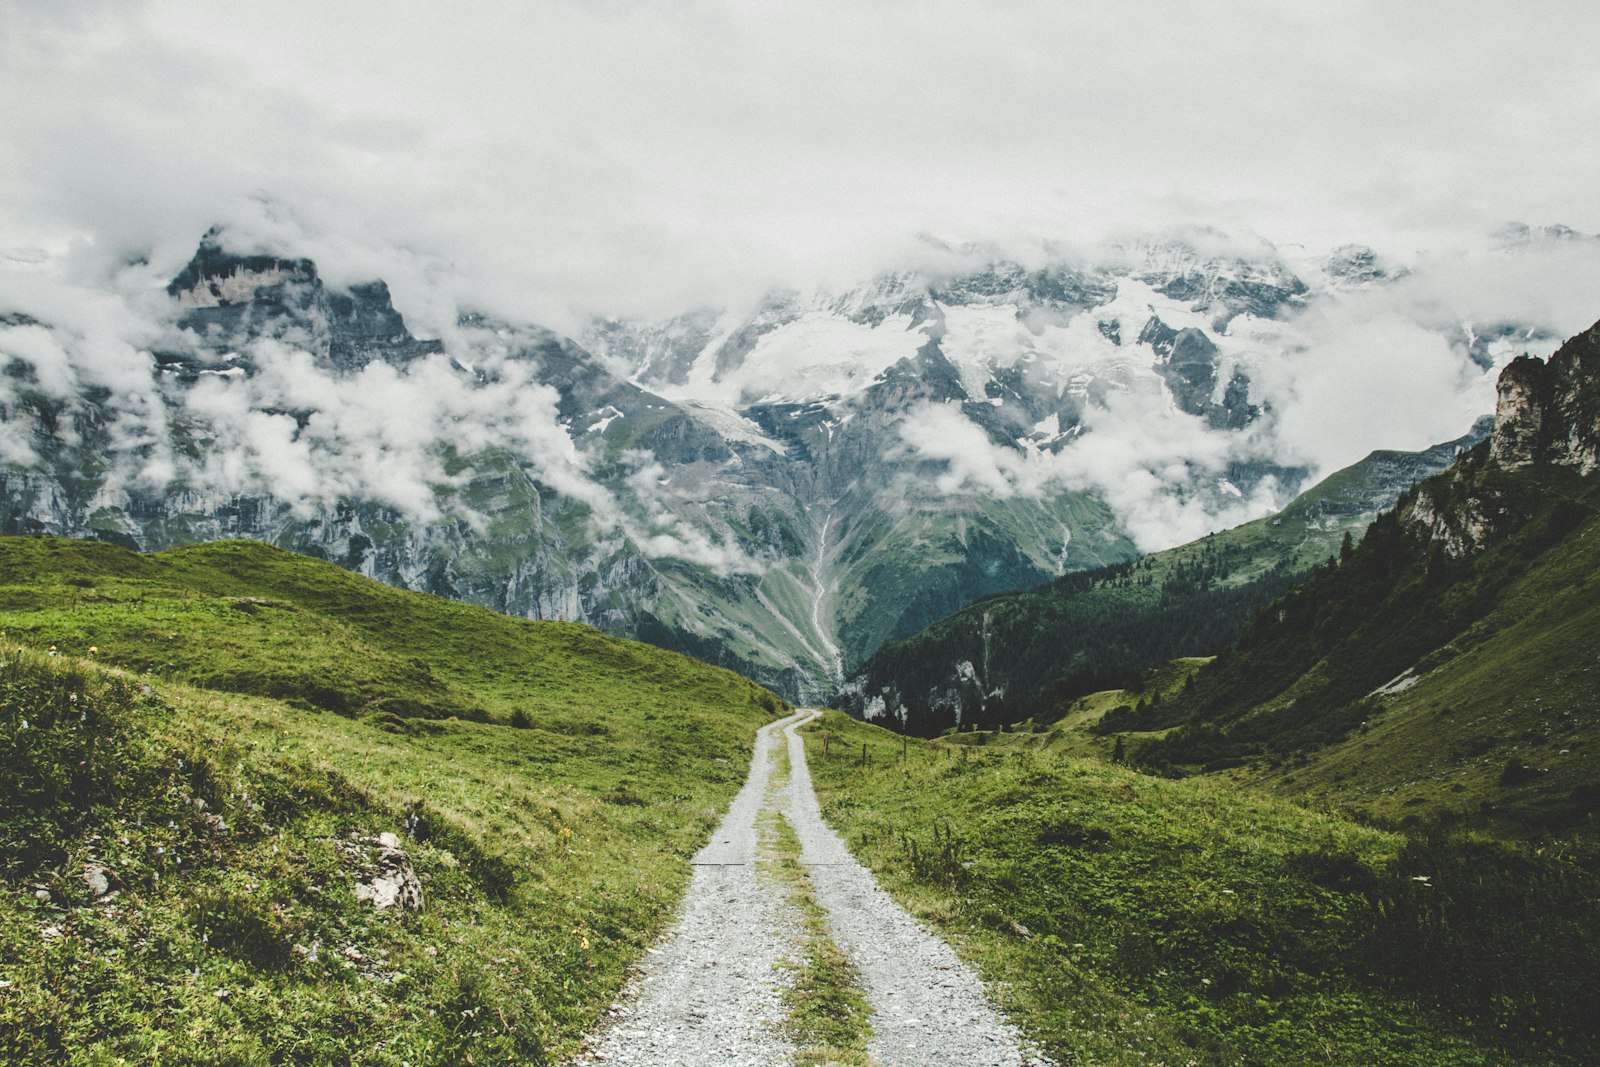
[(928, 1008), (712, 994)]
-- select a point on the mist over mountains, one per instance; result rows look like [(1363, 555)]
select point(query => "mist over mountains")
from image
[(779, 488)]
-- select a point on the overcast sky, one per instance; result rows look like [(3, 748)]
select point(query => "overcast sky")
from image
[(640, 156)]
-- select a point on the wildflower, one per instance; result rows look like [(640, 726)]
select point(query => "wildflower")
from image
[(93, 650)]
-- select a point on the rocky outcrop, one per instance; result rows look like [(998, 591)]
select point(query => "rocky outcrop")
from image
[(1521, 408), (1549, 411), (1547, 414), (383, 872)]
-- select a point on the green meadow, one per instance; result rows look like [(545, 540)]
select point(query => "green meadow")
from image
[(222, 732), (1125, 918)]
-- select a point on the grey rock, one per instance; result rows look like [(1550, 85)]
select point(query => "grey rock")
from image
[(385, 877), (97, 880)]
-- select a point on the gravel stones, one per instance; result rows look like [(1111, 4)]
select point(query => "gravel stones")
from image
[(928, 1008), (712, 994)]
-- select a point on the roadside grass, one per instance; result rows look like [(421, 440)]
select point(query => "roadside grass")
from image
[(231, 815), (1127, 919), (828, 1017)]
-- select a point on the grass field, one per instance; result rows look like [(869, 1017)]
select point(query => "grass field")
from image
[(221, 732), (1131, 919)]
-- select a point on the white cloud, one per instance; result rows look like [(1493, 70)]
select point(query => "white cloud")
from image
[(541, 161), (631, 156), (1158, 468)]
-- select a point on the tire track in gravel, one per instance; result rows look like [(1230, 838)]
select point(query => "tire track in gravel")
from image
[(928, 1008), (711, 995)]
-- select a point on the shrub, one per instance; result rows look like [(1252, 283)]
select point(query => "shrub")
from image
[(246, 927)]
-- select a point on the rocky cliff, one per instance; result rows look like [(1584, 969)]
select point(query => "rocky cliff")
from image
[(1547, 414), (1549, 411)]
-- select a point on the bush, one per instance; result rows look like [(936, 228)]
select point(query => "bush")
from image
[(246, 927), (1497, 930)]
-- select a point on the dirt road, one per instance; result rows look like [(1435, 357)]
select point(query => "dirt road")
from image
[(712, 992)]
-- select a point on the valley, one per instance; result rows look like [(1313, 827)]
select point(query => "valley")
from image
[(1314, 786), (778, 489), (799, 534)]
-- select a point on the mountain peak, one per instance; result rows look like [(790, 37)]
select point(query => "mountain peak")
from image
[(217, 276)]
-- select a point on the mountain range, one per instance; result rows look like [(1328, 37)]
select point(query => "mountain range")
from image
[(780, 490)]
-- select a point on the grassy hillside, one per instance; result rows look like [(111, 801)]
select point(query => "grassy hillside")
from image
[(1029, 654), (1130, 919), (1410, 681), (207, 744)]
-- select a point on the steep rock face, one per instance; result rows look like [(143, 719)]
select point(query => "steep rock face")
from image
[(231, 302), (1547, 414), (1573, 424), (1522, 407)]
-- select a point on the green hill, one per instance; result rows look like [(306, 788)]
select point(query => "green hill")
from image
[(1030, 654), (1421, 890), (202, 748), (1448, 664)]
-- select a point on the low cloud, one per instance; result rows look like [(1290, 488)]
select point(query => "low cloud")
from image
[(1161, 471), (307, 435), (1380, 366)]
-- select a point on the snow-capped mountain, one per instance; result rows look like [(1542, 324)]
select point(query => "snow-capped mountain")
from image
[(778, 489)]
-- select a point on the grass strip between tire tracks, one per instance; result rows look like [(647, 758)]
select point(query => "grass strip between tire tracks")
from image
[(828, 1014)]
